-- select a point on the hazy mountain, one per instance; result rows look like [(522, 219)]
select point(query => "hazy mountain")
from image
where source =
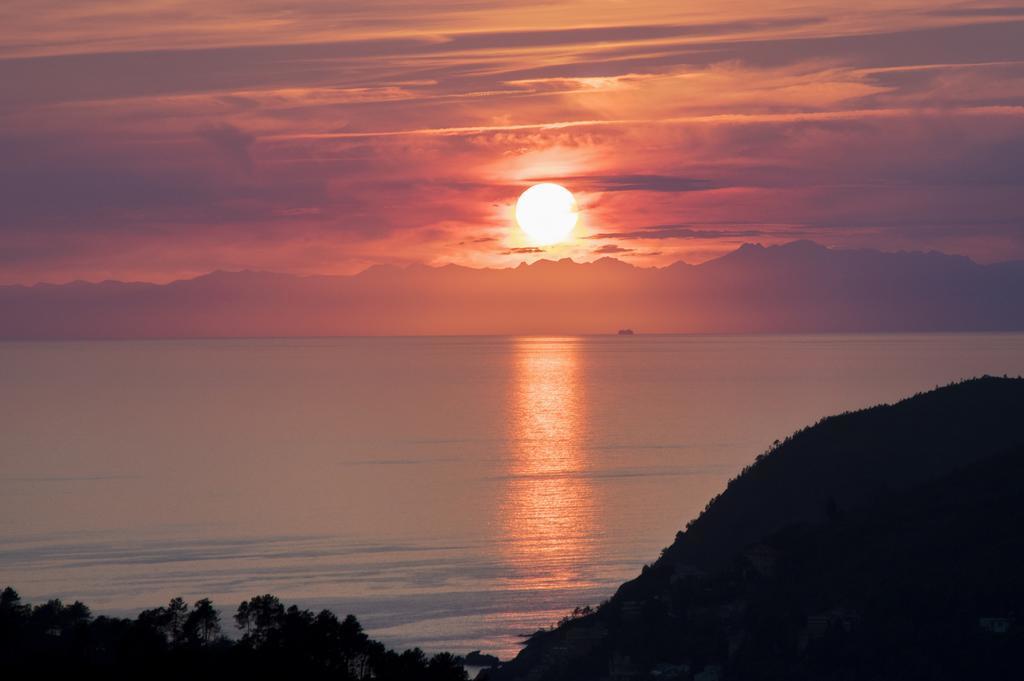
[(871, 545), (796, 287)]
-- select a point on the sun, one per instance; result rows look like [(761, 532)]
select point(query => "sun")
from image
[(547, 212)]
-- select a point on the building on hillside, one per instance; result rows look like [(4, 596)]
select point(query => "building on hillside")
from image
[(818, 624), (711, 672), (995, 625), (622, 668), (762, 558), (684, 571), (631, 612), (670, 672)]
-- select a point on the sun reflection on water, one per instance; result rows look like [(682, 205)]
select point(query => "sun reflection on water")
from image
[(548, 506)]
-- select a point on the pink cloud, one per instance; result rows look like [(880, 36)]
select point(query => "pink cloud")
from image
[(311, 149)]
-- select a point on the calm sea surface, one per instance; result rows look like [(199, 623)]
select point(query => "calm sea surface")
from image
[(453, 493)]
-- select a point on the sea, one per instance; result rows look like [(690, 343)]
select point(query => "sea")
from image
[(454, 493)]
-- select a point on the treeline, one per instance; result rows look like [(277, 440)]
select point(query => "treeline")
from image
[(179, 640)]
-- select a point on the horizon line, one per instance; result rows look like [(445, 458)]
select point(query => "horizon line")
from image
[(513, 336)]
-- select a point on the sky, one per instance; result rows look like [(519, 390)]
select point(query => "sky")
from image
[(162, 139)]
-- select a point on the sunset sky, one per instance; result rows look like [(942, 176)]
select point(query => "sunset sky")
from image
[(161, 139)]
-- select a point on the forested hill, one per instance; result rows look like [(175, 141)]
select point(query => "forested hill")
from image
[(847, 460), (882, 543)]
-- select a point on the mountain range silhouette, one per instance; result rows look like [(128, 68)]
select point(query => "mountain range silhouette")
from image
[(799, 287)]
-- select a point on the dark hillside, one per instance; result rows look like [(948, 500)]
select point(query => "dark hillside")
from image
[(848, 460), (882, 544)]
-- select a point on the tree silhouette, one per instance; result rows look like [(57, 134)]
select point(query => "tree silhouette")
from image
[(177, 614), (243, 618), (155, 619), (202, 625), (279, 641), (258, 617), (445, 666)]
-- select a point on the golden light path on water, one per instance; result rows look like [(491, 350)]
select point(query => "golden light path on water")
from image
[(548, 510)]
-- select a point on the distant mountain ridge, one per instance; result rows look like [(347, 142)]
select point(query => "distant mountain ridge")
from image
[(797, 287)]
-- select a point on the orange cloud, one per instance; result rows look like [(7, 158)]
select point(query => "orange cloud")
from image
[(160, 139)]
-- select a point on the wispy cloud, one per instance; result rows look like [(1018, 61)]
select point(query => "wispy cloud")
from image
[(523, 250), (681, 232), (157, 140), (637, 183), (611, 249)]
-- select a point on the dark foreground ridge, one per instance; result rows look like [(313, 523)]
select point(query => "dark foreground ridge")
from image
[(54, 640), (879, 544)]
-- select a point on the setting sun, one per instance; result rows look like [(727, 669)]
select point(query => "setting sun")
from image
[(547, 213)]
